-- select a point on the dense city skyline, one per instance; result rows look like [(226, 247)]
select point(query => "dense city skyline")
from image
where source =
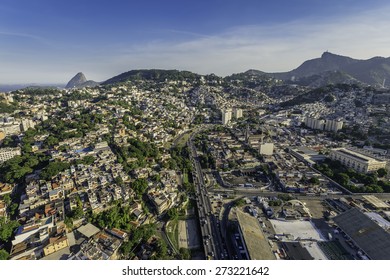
[(45, 42)]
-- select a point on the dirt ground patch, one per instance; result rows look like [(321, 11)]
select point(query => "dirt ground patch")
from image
[(316, 207)]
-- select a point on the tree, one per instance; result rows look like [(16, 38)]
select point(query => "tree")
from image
[(199, 119), (77, 213), (385, 185), (88, 160), (53, 168), (374, 189), (117, 216), (31, 162), (239, 203), (161, 250), (156, 178), (5, 108), (329, 98), (126, 249), (3, 254), (68, 222), (140, 186), (50, 141), (204, 160), (369, 179), (7, 229), (185, 253), (277, 202), (172, 163), (9, 141), (26, 148), (343, 175), (382, 172), (172, 213), (343, 179), (7, 199), (12, 208), (285, 197), (314, 181), (119, 180)]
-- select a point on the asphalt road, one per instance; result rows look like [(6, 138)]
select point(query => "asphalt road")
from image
[(211, 236)]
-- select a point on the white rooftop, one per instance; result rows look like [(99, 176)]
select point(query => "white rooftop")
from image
[(88, 230), (298, 229)]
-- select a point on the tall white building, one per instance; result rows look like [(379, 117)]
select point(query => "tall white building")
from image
[(237, 113), (226, 116), (333, 125), (320, 124), (41, 116), (26, 124), (315, 123), (8, 153)]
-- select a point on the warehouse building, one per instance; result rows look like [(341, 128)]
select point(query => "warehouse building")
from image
[(372, 239), (356, 161)]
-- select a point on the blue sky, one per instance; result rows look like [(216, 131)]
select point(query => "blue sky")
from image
[(47, 41)]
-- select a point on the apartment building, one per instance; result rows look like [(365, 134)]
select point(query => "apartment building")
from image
[(8, 153)]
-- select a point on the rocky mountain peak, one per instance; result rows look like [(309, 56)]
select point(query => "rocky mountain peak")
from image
[(80, 81), (77, 80)]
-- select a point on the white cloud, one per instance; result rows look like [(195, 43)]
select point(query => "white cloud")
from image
[(23, 35), (272, 48)]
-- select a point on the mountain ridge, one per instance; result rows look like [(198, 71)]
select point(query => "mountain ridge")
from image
[(80, 81), (372, 71), (150, 74), (329, 68)]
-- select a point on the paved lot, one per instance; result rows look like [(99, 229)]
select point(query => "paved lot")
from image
[(301, 229), (188, 234)]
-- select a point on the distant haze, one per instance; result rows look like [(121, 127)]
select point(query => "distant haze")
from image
[(6, 88)]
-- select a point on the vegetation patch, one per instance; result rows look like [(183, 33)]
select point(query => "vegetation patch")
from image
[(352, 180)]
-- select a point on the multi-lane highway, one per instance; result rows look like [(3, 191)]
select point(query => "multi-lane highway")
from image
[(213, 240), (211, 236)]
